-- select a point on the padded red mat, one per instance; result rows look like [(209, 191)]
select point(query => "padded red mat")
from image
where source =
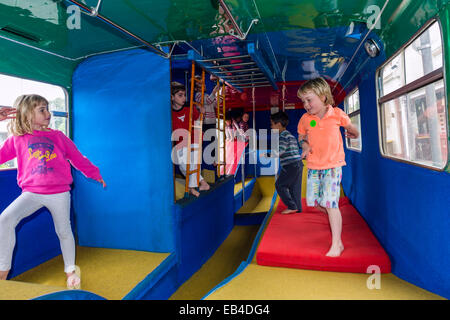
[(301, 240)]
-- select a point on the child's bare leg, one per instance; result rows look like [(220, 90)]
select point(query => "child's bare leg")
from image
[(335, 218), (320, 208), (3, 274)]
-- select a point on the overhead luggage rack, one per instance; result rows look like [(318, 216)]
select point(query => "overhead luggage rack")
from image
[(239, 71)]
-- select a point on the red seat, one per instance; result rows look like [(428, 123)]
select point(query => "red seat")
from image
[(301, 240)]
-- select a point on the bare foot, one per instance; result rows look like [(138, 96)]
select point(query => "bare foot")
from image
[(288, 211), (3, 275), (204, 186), (194, 192), (335, 251)]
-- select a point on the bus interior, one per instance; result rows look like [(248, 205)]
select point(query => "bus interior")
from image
[(106, 68)]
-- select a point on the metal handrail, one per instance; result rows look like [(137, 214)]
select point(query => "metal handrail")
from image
[(94, 13)]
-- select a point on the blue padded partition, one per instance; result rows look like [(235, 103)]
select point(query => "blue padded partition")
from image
[(36, 239), (122, 123), (202, 225)]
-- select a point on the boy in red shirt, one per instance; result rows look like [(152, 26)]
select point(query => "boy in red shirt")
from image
[(180, 128)]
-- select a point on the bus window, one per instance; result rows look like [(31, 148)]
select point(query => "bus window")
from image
[(351, 105), (412, 105), (12, 87)]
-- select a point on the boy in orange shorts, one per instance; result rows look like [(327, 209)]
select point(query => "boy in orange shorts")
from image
[(320, 128)]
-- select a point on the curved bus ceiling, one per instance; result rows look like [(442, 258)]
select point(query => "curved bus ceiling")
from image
[(303, 38)]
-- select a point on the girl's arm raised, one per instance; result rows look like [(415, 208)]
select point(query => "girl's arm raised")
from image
[(80, 162), (7, 150)]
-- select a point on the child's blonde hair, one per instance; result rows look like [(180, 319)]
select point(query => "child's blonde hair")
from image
[(25, 105), (320, 87)]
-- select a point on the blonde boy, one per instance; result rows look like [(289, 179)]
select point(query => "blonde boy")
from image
[(320, 127)]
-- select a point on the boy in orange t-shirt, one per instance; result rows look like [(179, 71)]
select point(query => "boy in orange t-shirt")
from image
[(320, 129)]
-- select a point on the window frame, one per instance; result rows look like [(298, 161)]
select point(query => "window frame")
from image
[(353, 114), (62, 114), (422, 82)]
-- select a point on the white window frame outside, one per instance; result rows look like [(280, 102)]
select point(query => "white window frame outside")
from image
[(12, 165), (351, 115), (431, 78)]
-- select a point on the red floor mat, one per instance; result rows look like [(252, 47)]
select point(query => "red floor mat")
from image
[(301, 241)]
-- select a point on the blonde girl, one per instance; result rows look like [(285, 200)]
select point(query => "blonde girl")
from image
[(43, 174)]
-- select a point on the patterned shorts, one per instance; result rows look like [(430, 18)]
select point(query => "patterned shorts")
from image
[(323, 187)]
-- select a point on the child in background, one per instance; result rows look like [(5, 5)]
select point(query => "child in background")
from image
[(209, 104), (44, 175), (180, 120), (289, 181), (243, 127), (320, 127), (230, 131), (243, 124)]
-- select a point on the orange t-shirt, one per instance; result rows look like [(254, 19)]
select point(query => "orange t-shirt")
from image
[(324, 138)]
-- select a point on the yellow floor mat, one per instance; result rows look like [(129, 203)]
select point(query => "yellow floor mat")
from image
[(252, 202), (261, 197), (238, 185), (274, 283), (179, 188), (180, 182), (110, 273), (15, 290), (222, 264)]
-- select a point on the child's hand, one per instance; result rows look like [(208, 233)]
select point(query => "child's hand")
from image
[(304, 154), (102, 182), (306, 149), (351, 131), (7, 113), (351, 135)]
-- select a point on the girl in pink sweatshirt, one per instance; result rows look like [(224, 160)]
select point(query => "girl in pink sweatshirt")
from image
[(44, 159)]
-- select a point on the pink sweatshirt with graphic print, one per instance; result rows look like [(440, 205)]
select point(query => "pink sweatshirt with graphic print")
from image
[(44, 159)]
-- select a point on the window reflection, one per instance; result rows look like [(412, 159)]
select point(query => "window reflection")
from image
[(415, 126)]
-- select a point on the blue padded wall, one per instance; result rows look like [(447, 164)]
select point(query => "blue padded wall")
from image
[(202, 225), (122, 123), (406, 206)]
